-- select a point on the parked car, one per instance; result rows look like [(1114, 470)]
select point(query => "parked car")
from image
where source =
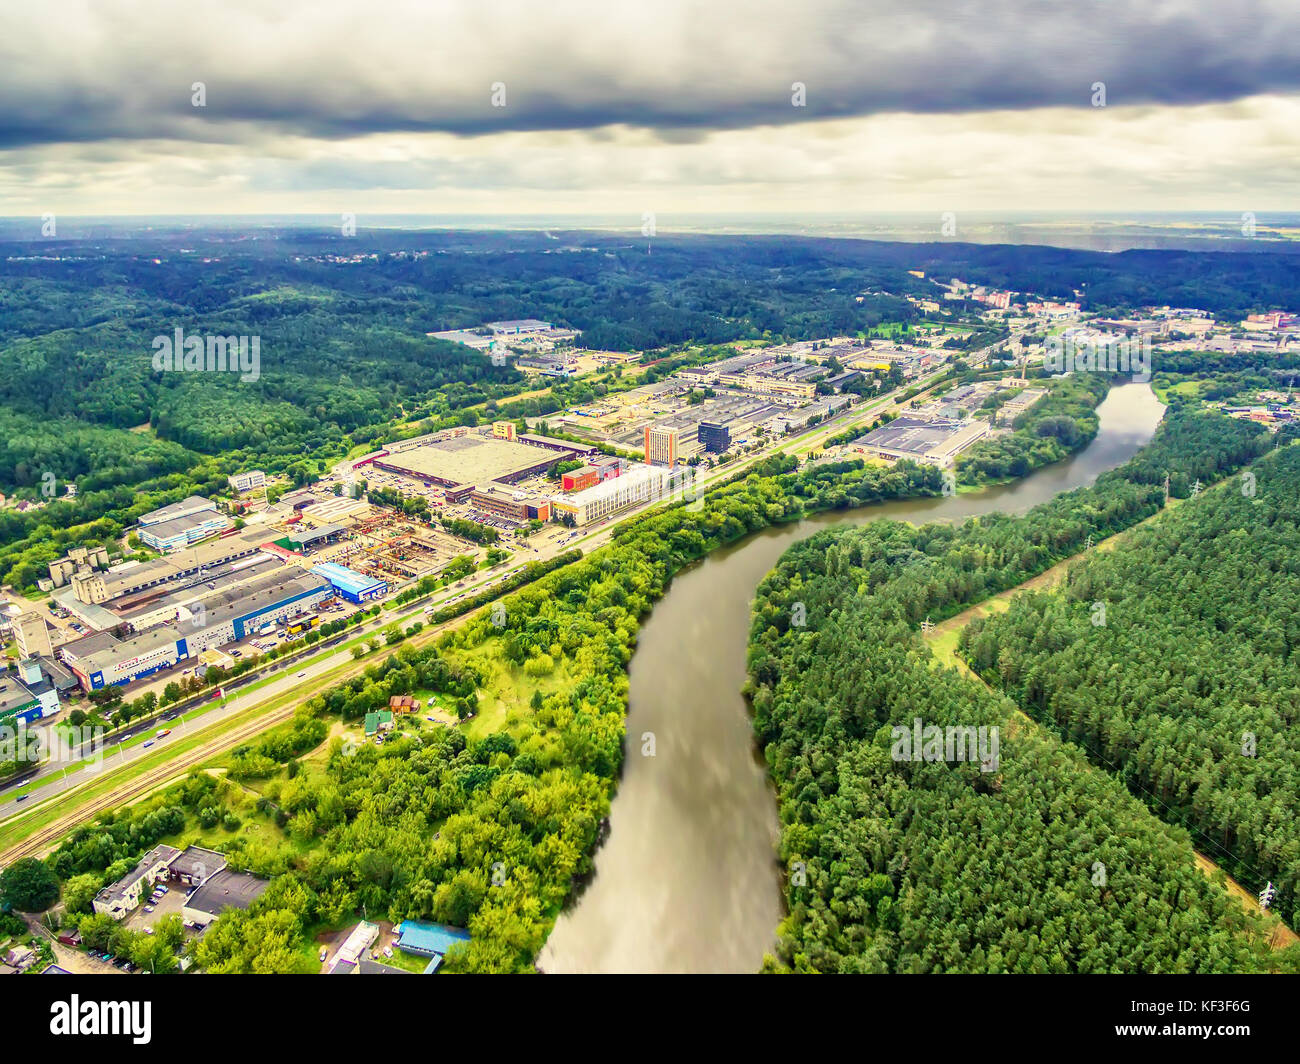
[(324, 952), (149, 908)]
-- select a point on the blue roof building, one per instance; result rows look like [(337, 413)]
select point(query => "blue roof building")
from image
[(428, 940), (351, 585)]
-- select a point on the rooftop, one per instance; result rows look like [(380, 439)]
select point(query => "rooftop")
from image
[(428, 939), (226, 890), (115, 891), (471, 459), (173, 510)]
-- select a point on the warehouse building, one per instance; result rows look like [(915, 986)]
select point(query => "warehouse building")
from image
[(26, 696), (97, 587), (220, 618), (937, 442), (460, 460), (187, 507), (352, 586), (123, 661), (180, 532)]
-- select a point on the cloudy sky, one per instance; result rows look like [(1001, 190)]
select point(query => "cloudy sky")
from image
[(563, 106)]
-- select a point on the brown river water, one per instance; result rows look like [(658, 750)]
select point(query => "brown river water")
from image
[(688, 880)]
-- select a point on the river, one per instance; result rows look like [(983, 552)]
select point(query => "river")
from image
[(688, 880)]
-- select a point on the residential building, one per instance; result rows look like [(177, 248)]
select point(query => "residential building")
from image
[(120, 898)]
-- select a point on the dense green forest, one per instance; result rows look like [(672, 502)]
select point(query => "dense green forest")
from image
[(1172, 660), (1060, 423), (920, 866)]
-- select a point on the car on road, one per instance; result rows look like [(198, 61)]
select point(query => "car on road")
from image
[(301, 675), (22, 798), (148, 743), (429, 719)]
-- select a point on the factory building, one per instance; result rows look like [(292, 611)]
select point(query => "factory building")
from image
[(180, 532), (638, 485), (514, 506), (352, 586)]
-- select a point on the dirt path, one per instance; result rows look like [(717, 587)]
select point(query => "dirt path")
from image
[(942, 640)]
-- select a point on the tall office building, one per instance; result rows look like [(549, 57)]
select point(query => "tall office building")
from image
[(714, 437), (660, 446)]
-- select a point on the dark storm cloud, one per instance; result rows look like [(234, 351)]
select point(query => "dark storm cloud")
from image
[(683, 69)]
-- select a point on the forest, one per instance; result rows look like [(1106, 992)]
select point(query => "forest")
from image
[(1173, 661), (1063, 421), (1044, 865)]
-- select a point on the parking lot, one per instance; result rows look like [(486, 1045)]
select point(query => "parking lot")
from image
[(169, 904)]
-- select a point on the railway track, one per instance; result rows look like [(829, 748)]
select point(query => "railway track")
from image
[(41, 842)]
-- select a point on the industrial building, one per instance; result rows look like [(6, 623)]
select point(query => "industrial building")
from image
[(187, 507), (936, 441), (247, 481), (26, 695), (460, 460), (638, 485), (514, 506), (224, 616), (179, 532), (96, 587), (577, 479), (350, 585), (517, 326), (224, 891)]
